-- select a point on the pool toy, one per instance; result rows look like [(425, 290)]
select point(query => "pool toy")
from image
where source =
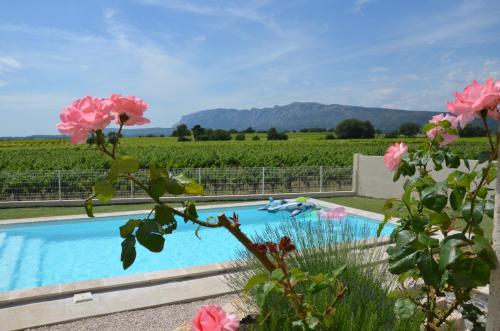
[(294, 207), (333, 214), (272, 204)]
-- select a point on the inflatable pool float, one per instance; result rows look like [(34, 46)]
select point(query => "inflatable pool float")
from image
[(294, 207)]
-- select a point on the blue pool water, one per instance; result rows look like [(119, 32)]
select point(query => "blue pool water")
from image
[(46, 253)]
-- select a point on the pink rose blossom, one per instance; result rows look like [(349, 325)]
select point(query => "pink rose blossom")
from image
[(214, 318), (333, 214), (130, 106), (475, 98), (439, 131), (84, 116), (392, 157)]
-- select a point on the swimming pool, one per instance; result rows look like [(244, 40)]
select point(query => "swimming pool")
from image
[(55, 252)]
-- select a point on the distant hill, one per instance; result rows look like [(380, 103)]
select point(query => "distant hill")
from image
[(126, 132), (300, 115)]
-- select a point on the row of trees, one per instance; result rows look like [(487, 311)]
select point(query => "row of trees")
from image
[(347, 129), (200, 133)]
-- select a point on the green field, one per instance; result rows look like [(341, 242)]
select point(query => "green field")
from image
[(302, 149)]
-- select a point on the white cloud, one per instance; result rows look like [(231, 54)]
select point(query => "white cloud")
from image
[(359, 4), (9, 64)]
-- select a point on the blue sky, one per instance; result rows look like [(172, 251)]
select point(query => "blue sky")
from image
[(183, 56)]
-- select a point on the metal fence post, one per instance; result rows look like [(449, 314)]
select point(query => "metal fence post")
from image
[(263, 180), (59, 184), (131, 189), (199, 175), (321, 178)]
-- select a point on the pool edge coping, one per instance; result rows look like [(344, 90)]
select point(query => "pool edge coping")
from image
[(29, 220)]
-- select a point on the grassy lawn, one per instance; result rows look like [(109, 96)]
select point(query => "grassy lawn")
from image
[(375, 205)]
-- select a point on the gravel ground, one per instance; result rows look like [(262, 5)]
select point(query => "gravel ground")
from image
[(160, 318)]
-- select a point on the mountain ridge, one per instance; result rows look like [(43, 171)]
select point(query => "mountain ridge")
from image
[(301, 115)]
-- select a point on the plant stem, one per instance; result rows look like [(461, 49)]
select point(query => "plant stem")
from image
[(234, 229), (117, 139)]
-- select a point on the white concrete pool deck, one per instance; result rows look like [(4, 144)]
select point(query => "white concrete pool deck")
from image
[(54, 304)]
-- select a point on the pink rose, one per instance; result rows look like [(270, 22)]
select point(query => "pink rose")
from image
[(83, 116), (214, 318), (439, 131), (392, 157), (334, 214), (475, 98), (129, 108)]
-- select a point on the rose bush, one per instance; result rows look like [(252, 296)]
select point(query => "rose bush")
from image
[(440, 253), (91, 115)]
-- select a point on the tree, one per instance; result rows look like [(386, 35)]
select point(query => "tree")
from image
[(249, 130), (181, 131), (273, 134), (353, 128), (240, 136), (197, 131), (409, 129), (473, 131)]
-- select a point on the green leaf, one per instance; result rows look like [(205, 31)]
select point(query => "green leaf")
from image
[(406, 263), (428, 126), (440, 219), (452, 160), (157, 187), (173, 186), (104, 191), (129, 227), (469, 273), (483, 245), (404, 308), (489, 207), (255, 280), (128, 252), (435, 197), (457, 197), (148, 235), (89, 206), (190, 210), (483, 157), (194, 188), (405, 237), (474, 213), (277, 274), (125, 164), (449, 250), (164, 215), (483, 191), (429, 269)]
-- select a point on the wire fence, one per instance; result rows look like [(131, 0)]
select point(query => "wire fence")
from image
[(70, 185)]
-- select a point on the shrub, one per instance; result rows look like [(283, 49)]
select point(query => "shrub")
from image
[(366, 304), (255, 138), (181, 131), (240, 136), (182, 138), (330, 136), (473, 131), (353, 128), (409, 129), (273, 134)]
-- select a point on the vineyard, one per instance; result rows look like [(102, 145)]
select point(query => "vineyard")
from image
[(56, 170), (300, 150)]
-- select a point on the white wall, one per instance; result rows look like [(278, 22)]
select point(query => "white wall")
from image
[(372, 179)]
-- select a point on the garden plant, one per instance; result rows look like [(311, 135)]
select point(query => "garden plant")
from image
[(440, 253)]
